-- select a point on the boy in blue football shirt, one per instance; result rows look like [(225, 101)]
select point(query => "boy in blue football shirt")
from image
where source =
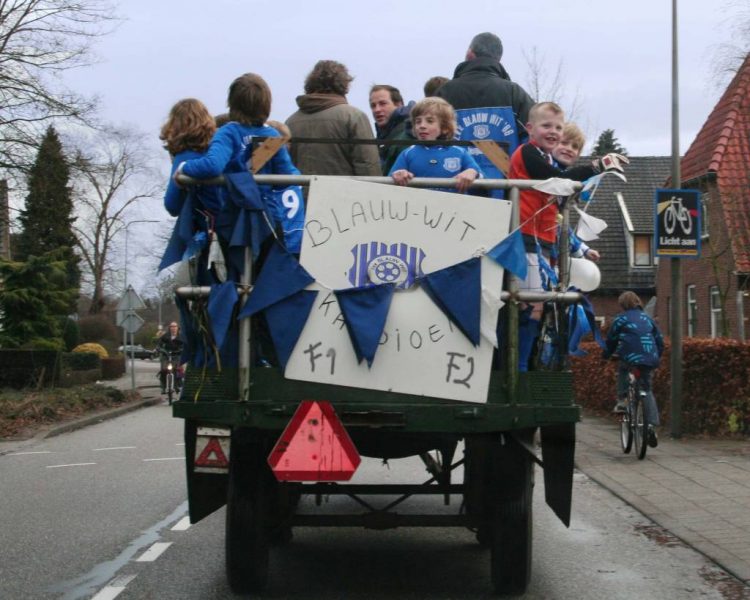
[(434, 119)]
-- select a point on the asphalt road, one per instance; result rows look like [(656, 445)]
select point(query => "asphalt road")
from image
[(100, 512)]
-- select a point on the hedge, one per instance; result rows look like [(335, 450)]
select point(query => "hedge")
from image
[(28, 368), (715, 387), (81, 361), (113, 367)]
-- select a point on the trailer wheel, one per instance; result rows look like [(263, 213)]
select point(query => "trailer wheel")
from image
[(251, 487), (511, 540)]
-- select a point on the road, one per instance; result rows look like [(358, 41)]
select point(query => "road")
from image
[(101, 511)]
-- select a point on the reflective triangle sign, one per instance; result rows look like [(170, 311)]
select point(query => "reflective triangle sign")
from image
[(314, 447), (212, 457)]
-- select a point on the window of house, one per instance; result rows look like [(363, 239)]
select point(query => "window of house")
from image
[(705, 199), (692, 311), (715, 303), (642, 251)]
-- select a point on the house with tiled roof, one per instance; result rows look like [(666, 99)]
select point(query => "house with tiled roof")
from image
[(715, 292), (625, 246)]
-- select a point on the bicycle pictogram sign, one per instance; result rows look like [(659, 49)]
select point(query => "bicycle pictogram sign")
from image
[(677, 223)]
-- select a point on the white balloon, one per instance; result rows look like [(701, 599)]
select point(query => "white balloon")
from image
[(584, 274)]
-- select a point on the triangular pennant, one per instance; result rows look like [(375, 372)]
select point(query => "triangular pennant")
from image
[(557, 186), (221, 302), (181, 234), (243, 190), (511, 254), (280, 277), (457, 292), (286, 319), (365, 310), (589, 227)]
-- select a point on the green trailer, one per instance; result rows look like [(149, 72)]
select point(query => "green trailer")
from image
[(234, 418)]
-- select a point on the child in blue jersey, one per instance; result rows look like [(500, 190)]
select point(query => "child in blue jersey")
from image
[(637, 341), (186, 135), (249, 102), (434, 119)]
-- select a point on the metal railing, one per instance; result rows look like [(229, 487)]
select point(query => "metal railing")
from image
[(512, 296)]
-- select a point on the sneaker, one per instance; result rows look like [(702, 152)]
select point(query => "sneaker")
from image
[(653, 440), (620, 407)]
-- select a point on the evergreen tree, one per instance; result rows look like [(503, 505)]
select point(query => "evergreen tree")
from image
[(606, 143), (33, 296), (47, 219)]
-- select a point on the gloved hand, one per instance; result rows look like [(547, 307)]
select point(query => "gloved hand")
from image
[(611, 162)]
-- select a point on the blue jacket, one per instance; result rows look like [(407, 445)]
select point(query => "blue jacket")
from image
[(230, 151), (210, 197), (635, 338)]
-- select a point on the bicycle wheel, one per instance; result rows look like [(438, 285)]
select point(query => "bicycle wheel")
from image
[(626, 433), (170, 387), (640, 427)]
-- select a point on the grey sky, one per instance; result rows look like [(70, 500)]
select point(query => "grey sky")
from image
[(617, 55)]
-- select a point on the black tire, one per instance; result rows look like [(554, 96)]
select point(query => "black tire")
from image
[(626, 432), (170, 388), (247, 530), (640, 429), (511, 544)]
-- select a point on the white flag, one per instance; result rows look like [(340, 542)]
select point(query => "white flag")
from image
[(589, 227)]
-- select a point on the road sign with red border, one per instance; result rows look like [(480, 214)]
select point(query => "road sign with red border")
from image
[(314, 446)]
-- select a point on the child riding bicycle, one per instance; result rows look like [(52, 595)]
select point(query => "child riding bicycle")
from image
[(637, 341)]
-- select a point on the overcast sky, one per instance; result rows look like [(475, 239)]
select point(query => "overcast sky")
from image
[(616, 55)]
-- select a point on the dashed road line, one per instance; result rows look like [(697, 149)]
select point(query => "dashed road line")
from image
[(169, 458), (182, 524), (25, 453), (113, 448), (180, 444), (70, 465), (114, 589), (154, 552)]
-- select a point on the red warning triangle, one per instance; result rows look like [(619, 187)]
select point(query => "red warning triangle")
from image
[(212, 455), (314, 447)]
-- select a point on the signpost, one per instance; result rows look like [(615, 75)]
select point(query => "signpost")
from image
[(130, 322)]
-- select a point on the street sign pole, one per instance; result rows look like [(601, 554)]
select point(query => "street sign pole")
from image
[(675, 264), (130, 323)]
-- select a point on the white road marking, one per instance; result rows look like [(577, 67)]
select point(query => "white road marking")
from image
[(114, 448), (24, 453), (153, 552), (182, 524), (171, 458), (114, 589), (70, 465), (180, 444)]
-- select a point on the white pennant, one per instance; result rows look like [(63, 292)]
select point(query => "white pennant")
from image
[(589, 227)]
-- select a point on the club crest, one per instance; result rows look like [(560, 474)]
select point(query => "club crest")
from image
[(375, 263), (481, 131), (452, 164)]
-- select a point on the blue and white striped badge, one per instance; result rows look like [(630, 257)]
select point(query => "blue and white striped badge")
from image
[(375, 263)]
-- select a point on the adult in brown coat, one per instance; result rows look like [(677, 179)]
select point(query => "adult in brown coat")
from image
[(324, 113)]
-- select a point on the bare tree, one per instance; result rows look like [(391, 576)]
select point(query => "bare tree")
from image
[(548, 84), (729, 55), (38, 40), (114, 174)]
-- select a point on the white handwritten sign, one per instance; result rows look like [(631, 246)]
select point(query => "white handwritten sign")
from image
[(358, 233)]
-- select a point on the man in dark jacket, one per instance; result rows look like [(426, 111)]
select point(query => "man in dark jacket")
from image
[(488, 104), (391, 121)]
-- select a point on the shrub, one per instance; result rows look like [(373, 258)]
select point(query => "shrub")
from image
[(81, 360), (53, 344), (91, 347), (715, 387), (113, 367), (97, 328), (71, 333)]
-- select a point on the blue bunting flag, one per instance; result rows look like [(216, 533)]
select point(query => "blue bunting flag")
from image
[(221, 302), (511, 254), (457, 292), (365, 310), (286, 319), (280, 277)]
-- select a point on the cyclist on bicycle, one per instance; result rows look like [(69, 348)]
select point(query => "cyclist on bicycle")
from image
[(169, 343), (637, 341)]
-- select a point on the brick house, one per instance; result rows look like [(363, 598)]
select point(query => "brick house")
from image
[(717, 164), (625, 245)]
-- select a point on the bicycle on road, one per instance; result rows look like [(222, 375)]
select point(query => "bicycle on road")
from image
[(171, 374), (635, 430)]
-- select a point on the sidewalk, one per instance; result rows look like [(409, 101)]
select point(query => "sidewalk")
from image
[(699, 490)]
